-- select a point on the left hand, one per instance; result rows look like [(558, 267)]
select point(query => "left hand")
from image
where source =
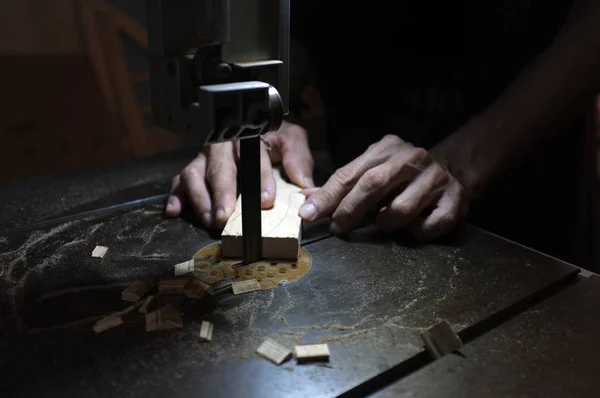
[(404, 179)]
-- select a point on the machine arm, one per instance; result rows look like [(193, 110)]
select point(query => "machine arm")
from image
[(219, 72)]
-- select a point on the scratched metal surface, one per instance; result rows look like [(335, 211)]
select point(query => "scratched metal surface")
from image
[(368, 297), (549, 351)]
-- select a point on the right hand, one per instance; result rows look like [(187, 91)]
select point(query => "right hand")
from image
[(209, 182)]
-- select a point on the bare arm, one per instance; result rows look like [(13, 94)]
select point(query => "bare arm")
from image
[(540, 101)]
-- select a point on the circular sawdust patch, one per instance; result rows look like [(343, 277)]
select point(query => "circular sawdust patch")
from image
[(210, 267)]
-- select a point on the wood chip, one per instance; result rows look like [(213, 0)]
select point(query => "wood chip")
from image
[(312, 352), (136, 291), (195, 288), (167, 317), (247, 286), (99, 251), (148, 305), (107, 323), (172, 285), (185, 268), (274, 351), (220, 287), (206, 331), (440, 340)]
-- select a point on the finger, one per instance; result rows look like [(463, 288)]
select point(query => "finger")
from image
[(193, 184), (370, 189), (309, 191), (419, 194), (267, 182), (296, 158), (451, 208), (176, 200), (221, 174)]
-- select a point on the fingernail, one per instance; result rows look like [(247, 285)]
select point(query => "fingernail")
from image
[(220, 214), (309, 182), (335, 228), (307, 211), (170, 204), (206, 218), (266, 195)]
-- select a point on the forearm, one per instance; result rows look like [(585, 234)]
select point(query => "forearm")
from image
[(534, 106)]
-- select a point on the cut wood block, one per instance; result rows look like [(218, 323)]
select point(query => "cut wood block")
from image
[(440, 340), (148, 305), (136, 291), (312, 352), (107, 323), (281, 225), (167, 317), (99, 251), (240, 287), (206, 331), (274, 351), (184, 268), (172, 285), (220, 287), (195, 288)]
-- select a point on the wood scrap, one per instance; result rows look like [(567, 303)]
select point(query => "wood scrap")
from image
[(184, 268), (136, 291), (281, 225), (172, 285), (247, 286), (107, 323), (195, 288), (148, 305), (312, 352), (206, 331), (220, 287), (165, 318), (440, 340), (99, 251), (274, 351)]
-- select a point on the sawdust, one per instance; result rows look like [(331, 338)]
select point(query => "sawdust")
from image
[(344, 336)]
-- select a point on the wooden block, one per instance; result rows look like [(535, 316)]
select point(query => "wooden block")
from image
[(240, 287), (147, 305), (281, 225), (184, 268), (274, 351), (136, 291), (172, 285), (99, 251), (220, 287), (206, 331), (167, 317), (312, 352), (195, 288), (107, 323), (440, 340)]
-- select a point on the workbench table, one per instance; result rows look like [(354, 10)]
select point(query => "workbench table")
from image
[(369, 297)]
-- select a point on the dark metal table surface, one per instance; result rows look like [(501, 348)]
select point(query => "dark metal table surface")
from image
[(369, 297), (549, 351)]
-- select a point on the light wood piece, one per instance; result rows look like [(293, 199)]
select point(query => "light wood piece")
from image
[(172, 285), (274, 351), (165, 318), (195, 288), (440, 340), (312, 352), (99, 251), (206, 331), (240, 287), (107, 323), (281, 225), (136, 291), (184, 268), (148, 305)]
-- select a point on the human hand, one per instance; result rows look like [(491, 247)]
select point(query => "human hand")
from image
[(404, 179), (209, 182)]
